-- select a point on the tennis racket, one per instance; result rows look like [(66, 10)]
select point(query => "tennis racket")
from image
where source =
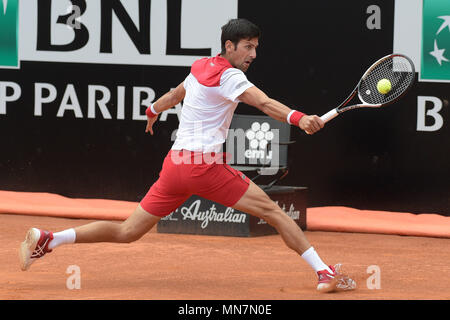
[(397, 68)]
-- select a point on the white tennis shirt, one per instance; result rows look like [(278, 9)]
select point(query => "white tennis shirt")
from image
[(212, 90)]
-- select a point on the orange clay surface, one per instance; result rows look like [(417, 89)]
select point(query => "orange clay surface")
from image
[(185, 267)]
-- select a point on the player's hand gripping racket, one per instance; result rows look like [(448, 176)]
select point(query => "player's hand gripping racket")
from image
[(386, 81)]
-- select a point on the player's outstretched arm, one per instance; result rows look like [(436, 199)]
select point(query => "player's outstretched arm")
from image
[(167, 101), (257, 98)]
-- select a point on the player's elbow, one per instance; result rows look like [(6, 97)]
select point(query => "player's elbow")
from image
[(177, 94), (176, 97)]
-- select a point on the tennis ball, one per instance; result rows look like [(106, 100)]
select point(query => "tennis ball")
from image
[(384, 86)]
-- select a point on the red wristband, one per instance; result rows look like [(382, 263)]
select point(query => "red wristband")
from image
[(294, 117), (150, 112)]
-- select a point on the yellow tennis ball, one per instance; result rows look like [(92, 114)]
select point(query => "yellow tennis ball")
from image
[(384, 86)]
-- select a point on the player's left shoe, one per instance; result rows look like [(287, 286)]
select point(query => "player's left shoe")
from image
[(34, 247)]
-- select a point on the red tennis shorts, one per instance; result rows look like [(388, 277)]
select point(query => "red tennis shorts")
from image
[(185, 173)]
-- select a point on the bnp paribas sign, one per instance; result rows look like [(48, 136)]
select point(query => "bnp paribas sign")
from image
[(435, 59), (9, 37)]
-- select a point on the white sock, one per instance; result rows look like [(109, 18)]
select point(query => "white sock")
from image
[(313, 259), (63, 237)]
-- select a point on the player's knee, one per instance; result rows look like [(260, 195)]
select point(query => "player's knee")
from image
[(128, 234)]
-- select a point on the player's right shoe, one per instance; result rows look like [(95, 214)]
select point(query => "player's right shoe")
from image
[(327, 281), (334, 281), (34, 247)]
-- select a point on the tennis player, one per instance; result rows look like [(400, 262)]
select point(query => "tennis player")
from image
[(194, 165)]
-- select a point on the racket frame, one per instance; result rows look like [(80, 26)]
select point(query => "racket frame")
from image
[(343, 106)]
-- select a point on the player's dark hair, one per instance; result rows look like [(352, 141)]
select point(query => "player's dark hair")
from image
[(236, 30)]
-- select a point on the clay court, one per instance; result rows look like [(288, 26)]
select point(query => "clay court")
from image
[(196, 267)]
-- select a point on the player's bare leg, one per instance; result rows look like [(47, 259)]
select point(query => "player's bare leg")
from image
[(39, 242), (132, 229), (257, 203)]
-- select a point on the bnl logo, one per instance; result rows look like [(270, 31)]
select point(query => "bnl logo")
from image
[(9, 37)]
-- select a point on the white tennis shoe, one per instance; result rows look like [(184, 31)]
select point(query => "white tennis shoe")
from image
[(34, 247)]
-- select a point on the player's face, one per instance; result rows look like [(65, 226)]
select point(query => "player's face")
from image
[(242, 55)]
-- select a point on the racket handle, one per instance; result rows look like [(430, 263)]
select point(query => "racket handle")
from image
[(329, 115)]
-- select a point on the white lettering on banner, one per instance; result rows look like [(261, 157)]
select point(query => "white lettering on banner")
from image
[(98, 97), (39, 97), (92, 101), (422, 113), (193, 213), (101, 35), (121, 103), (4, 97), (71, 95)]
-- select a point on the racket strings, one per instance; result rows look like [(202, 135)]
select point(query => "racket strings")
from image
[(397, 70)]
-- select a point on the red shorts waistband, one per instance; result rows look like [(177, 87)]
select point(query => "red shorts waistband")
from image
[(198, 157)]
